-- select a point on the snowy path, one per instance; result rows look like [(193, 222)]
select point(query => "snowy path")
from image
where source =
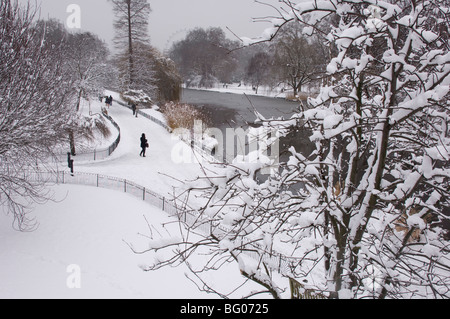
[(158, 170)]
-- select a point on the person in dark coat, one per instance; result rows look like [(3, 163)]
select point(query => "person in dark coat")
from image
[(133, 107), (144, 145)]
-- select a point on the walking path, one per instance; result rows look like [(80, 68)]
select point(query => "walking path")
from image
[(159, 171)]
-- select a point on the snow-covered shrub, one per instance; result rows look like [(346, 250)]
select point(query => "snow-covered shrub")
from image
[(138, 97), (181, 115)]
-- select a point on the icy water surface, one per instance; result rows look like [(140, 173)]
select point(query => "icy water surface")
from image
[(228, 110)]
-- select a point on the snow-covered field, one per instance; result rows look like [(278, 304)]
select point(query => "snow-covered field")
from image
[(82, 237), (89, 228), (86, 227)]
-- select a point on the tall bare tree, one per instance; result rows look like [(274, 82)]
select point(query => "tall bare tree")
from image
[(131, 27), (145, 78)]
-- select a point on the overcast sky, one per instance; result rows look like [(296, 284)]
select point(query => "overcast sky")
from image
[(170, 19)]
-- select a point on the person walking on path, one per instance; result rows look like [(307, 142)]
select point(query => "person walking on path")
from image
[(108, 102), (133, 107), (144, 145)]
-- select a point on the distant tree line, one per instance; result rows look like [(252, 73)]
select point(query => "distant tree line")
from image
[(295, 59)]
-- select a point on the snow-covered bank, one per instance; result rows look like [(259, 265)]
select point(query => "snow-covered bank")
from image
[(236, 88), (264, 91), (87, 228), (91, 111)]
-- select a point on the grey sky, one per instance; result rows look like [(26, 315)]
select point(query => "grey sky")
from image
[(170, 19)]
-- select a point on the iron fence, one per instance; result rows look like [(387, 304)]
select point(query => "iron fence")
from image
[(106, 182), (190, 218), (148, 116)]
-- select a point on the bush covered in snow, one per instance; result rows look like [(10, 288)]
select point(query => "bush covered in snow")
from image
[(181, 115), (137, 97)]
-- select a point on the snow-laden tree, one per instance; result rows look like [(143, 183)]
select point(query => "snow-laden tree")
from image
[(86, 61), (35, 109), (363, 215), (132, 42), (83, 59)]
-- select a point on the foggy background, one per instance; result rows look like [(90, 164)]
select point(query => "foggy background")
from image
[(170, 19)]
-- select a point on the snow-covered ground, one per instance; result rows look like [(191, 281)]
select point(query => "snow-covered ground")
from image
[(247, 89), (237, 88), (89, 228), (266, 91), (91, 109), (83, 234)]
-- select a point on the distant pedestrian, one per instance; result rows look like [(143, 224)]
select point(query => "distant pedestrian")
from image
[(144, 145), (133, 107), (110, 100), (107, 102)]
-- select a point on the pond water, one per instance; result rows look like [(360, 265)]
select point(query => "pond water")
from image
[(228, 110)]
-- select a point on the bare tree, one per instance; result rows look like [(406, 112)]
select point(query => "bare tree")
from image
[(362, 216), (259, 70), (35, 109), (144, 80), (203, 58), (86, 60), (299, 59), (131, 26)]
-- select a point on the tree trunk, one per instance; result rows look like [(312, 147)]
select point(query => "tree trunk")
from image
[(72, 143), (130, 46), (79, 100)]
